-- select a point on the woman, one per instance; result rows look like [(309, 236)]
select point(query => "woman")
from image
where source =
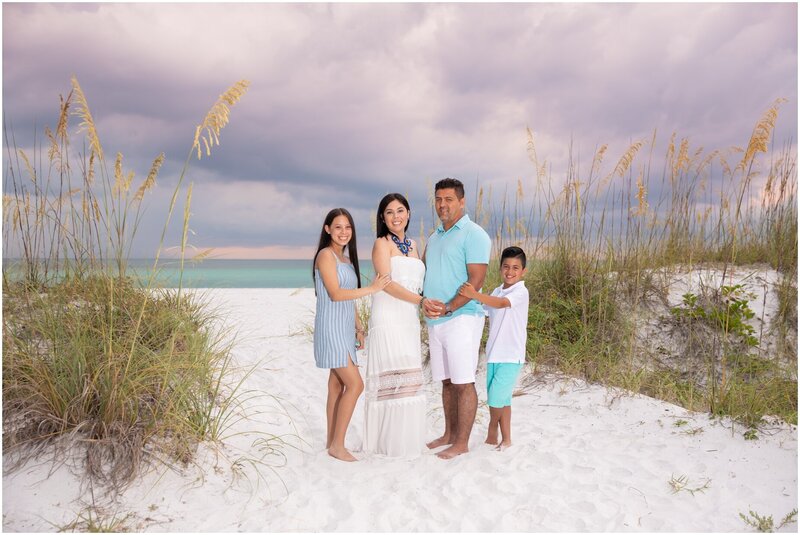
[(395, 403), (337, 329)]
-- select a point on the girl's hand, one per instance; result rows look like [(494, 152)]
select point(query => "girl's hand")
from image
[(380, 282), (467, 290)]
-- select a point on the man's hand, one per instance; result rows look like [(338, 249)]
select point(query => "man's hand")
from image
[(432, 308)]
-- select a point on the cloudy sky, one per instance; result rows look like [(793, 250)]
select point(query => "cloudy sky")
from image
[(349, 102)]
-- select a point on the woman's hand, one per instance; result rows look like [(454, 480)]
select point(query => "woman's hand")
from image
[(467, 290), (380, 282)]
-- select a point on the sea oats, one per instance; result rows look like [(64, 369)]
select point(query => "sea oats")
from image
[(725, 165), (150, 181), (118, 174), (761, 134), (53, 153), (87, 123), (98, 215), (90, 172), (671, 148), (598, 160), (683, 158), (626, 159), (202, 255), (208, 131), (28, 166), (641, 196), (63, 118)]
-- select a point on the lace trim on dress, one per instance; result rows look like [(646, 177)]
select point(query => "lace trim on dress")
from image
[(399, 384)]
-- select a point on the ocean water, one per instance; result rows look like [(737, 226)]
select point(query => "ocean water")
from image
[(220, 273)]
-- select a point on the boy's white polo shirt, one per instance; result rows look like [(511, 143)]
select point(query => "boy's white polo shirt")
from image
[(508, 327)]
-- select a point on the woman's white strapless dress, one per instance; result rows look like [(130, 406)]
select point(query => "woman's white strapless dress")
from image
[(395, 401)]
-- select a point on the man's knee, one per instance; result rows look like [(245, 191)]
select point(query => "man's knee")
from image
[(465, 387)]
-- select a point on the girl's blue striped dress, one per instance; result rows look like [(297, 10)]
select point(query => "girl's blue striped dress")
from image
[(335, 321)]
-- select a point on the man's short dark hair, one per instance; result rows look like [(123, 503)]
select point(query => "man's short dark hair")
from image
[(451, 183), (513, 252)]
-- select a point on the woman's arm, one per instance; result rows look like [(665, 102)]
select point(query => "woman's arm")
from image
[(326, 264), (382, 262), (467, 290)]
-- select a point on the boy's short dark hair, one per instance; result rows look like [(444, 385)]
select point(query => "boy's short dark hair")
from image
[(513, 252), (451, 183)]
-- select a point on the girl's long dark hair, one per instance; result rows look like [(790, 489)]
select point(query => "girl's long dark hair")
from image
[(325, 241), (380, 224)]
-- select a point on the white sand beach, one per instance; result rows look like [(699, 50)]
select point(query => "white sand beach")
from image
[(585, 458)]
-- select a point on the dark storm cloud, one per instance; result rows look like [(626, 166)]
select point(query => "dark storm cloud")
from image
[(348, 102)]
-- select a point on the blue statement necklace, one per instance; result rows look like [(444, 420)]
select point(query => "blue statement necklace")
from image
[(404, 246)]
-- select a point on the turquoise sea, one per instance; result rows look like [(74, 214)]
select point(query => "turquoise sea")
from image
[(219, 273)]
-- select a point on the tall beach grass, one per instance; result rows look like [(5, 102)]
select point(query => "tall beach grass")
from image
[(93, 363), (606, 241)]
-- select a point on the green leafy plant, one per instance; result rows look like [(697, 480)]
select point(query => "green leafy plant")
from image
[(681, 483), (730, 316), (765, 524), (751, 434)]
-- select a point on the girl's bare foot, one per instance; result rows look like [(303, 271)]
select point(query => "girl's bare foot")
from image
[(441, 441), (342, 454), (491, 440), (504, 445)]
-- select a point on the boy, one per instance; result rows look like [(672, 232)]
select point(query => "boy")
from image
[(507, 307)]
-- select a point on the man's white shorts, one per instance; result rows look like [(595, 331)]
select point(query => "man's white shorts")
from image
[(454, 348)]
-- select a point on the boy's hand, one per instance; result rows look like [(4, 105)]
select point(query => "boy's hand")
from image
[(467, 290)]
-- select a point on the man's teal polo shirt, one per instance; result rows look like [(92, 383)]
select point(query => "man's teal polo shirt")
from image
[(446, 257)]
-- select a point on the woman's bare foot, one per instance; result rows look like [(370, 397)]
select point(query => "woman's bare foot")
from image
[(452, 451), (491, 439), (342, 454), (504, 445), (441, 441)]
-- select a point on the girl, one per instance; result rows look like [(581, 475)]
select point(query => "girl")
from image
[(337, 329)]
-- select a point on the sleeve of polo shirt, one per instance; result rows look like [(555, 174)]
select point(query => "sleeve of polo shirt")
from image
[(517, 297), (478, 247)]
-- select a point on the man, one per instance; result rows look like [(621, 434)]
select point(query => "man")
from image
[(457, 252)]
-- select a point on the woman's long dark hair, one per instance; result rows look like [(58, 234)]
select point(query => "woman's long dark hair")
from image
[(325, 241), (380, 224)]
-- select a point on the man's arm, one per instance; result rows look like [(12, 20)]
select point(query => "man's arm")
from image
[(476, 273)]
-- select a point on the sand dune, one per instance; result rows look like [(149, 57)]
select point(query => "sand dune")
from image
[(585, 458)]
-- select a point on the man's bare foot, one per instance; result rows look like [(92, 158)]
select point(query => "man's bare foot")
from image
[(441, 441), (452, 451), (491, 440), (504, 445), (341, 454)]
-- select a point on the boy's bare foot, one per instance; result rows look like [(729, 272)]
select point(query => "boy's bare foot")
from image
[(452, 451), (341, 454), (504, 445), (441, 441)]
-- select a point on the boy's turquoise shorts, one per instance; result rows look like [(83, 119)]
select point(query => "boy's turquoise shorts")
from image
[(500, 380)]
